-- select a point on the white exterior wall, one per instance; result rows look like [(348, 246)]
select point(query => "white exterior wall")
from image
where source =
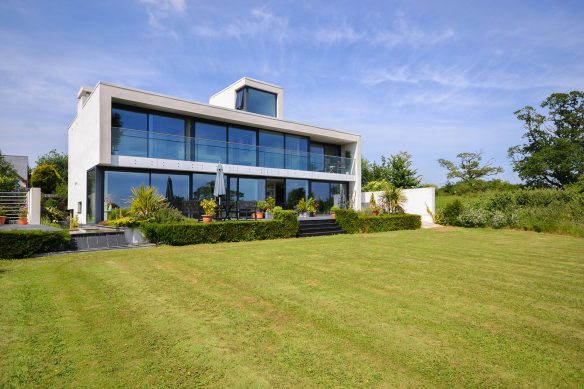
[(85, 145), (90, 139), (416, 201)]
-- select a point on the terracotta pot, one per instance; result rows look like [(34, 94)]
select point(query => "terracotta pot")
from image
[(2, 220), (334, 215), (375, 213), (207, 218), (22, 220), (259, 215)]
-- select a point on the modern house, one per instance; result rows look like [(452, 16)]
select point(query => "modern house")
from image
[(123, 137)]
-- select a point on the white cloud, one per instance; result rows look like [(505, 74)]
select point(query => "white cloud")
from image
[(343, 34), (159, 11)]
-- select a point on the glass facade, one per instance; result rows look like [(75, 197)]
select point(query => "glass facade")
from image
[(91, 193), (118, 188), (138, 133), (271, 150), (210, 142), (242, 146), (251, 189), (295, 190), (321, 191), (261, 102), (203, 186), (175, 187)]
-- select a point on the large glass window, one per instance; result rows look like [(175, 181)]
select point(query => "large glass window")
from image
[(252, 189), (90, 206), (261, 102), (295, 190), (118, 188), (175, 187), (211, 143), (203, 186), (242, 146), (339, 193), (322, 194), (296, 152), (167, 137), (316, 157), (275, 188), (271, 152), (129, 133)]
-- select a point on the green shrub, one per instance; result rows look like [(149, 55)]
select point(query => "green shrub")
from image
[(124, 221), (168, 215), (46, 177), (285, 215), (146, 201), (117, 213), (348, 220), (24, 244), (473, 217), (180, 234), (451, 212), (389, 222)]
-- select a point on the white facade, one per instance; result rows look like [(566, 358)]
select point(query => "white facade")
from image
[(90, 137), (418, 201)]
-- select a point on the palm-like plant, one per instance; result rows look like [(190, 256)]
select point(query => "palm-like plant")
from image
[(393, 199), (146, 201)]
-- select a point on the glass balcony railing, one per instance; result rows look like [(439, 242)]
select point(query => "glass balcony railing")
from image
[(137, 143)]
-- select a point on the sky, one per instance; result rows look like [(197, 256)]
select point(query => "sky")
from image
[(433, 78)]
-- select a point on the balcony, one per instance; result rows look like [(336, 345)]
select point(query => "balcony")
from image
[(137, 143)]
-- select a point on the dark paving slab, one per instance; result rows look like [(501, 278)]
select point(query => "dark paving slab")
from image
[(28, 227)]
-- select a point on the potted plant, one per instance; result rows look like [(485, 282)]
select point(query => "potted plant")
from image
[(334, 210), (311, 206), (22, 214), (2, 215), (261, 207), (301, 208), (209, 206), (270, 204), (373, 206)]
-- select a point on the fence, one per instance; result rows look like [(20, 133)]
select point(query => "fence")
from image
[(11, 202)]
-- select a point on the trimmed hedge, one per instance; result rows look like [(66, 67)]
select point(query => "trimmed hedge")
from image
[(352, 222), (180, 234), (24, 244)]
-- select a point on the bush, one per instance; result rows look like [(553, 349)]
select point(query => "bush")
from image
[(473, 217), (46, 177), (353, 222), (451, 212), (391, 222), (168, 215), (24, 244), (180, 234)]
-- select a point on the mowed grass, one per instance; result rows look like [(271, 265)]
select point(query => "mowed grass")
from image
[(440, 308)]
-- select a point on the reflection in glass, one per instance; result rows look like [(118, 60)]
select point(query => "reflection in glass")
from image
[(275, 188), (322, 194), (242, 146), (339, 192), (252, 189), (261, 102), (175, 187), (118, 188), (203, 186), (166, 137), (316, 157), (296, 152), (129, 133), (295, 190), (91, 190), (210, 142), (271, 151)]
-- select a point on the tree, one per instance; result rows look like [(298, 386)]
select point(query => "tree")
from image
[(396, 169), (46, 177), (469, 168), (8, 176), (58, 159), (553, 154)]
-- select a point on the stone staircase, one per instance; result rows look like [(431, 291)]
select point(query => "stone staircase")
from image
[(318, 227), (98, 240)]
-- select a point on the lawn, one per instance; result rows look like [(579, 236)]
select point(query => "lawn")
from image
[(447, 307)]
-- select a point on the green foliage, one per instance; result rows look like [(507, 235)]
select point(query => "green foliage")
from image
[(117, 213), (392, 200), (353, 222), (209, 206), (311, 205), (451, 213), (288, 216), (24, 244), (47, 178), (57, 159), (168, 215), (124, 221), (146, 201), (301, 206), (278, 209), (469, 168), (553, 154), (229, 231), (396, 169), (477, 186), (2, 211), (270, 204), (8, 176), (262, 205), (377, 186)]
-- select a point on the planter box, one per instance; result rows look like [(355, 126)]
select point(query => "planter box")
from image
[(269, 216), (134, 236)]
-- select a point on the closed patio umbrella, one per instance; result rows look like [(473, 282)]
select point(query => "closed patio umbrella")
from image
[(219, 182)]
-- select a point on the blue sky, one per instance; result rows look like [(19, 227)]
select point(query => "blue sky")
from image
[(434, 78)]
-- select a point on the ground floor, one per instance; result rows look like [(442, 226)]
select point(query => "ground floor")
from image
[(109, 188)]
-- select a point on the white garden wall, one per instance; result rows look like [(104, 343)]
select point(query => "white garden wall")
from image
[(417, 200)]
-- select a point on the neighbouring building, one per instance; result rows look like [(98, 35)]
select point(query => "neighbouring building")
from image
[(123, 137), (20, 165)]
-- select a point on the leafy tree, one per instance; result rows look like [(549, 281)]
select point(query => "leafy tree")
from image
[(53, 157), (396, 169), (553, 154), (46, 177), (469, 168), (8, 176)]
